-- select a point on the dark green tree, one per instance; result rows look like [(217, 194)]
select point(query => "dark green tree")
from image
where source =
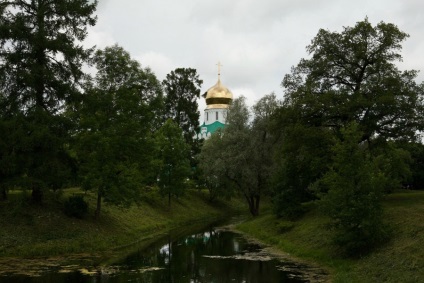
[(212, 169), (114, 143), (354, 189), (302, 155), (350, 77), (182, 89), (240, 157), (416, 152), (173, 164), (40, 66)]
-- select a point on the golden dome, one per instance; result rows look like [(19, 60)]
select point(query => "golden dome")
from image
[(218, 96)]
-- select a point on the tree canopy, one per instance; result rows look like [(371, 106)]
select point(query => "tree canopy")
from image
[(114, 141), (41, 59), (182, 89), (240, 157), (352, 76), (172, 162), (346, 113)]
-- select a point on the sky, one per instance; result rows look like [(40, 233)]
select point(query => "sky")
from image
[(256, 41)]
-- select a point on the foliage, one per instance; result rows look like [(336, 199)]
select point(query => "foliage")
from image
[(40, 69), (354, 186), (302, 156), (211, 169), (395, 163), (415, 152), (240, 157), (182, 88), (172, 161), (114, 145), (76, 206), (350, 77)]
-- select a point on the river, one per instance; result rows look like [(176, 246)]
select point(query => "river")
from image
[(211, 254)]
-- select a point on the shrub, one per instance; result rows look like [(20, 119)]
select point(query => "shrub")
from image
[(354, 186), (76, 206), (287, 204)]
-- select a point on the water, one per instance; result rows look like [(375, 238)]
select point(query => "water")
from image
[(211, 255)]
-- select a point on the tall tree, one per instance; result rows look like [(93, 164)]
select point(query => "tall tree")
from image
[(172, 163), (354, 186), (40, 64), (241, 156), (350, 77), (114, 142), (211, 167), (182, 89)]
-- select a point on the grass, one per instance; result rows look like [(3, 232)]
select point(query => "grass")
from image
[(29, 230), (399, 260)]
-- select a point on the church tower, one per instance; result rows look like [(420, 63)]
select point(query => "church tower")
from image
[(218, 99)]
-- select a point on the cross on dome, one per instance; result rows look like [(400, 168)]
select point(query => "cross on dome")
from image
[(219, 70)]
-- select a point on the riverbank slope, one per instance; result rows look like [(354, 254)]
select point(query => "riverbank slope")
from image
[(400, 260), (29, 230)]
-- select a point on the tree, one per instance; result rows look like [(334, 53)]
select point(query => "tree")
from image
[(262, 143), (182, 88), (241, 157), (416, 152), (212, 169), (302, 155), (350, 77), (114, 143), (172, 163), (40, 65), (354, 186)]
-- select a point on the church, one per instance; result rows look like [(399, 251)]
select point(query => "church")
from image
[(218, 99)]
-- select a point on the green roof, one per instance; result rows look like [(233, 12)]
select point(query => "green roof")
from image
[(211, 128)]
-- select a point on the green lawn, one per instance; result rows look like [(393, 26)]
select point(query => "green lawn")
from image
[(400, 260), (31, 230)]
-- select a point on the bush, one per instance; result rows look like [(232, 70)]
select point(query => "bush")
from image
[(287, 205), (76, 206), (354, 186)]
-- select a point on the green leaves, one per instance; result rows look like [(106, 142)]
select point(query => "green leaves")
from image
[(351, 76), (346, 111), (240, 156), (182, 88), (40, 76), (114, 143), (173, 164), (354, 188)]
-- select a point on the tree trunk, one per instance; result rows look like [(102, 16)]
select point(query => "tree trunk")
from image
[(253, 202), (37, 195), (3, 194), (169, 199), (99, 205), (257, 199)]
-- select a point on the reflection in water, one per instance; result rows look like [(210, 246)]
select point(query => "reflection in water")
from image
[(210, 256)]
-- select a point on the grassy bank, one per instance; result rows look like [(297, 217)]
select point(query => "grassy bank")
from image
[(400, 260), (33, 230)]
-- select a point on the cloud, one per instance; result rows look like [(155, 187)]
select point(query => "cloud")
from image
[(159, 63), (100, 39), (256, 41)]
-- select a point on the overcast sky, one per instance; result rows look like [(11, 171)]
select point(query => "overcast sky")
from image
[(257, 41)]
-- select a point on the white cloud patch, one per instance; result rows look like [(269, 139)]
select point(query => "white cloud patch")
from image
[(159, 63), (256, 41), (100, 39)]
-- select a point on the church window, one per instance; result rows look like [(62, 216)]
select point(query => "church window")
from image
[(207, 116), (217, 115)]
